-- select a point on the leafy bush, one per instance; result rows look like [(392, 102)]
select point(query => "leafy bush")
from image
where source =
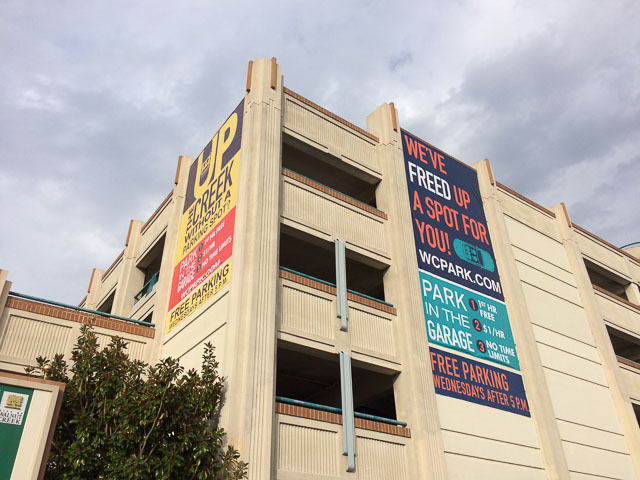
[(123, 419)]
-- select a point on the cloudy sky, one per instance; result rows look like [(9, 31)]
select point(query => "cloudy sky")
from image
[(98, 99)]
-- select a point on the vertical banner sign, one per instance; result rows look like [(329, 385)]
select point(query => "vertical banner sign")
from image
[(14, 407), (462, 296), (205, 240)]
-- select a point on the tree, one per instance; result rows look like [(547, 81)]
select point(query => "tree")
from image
[(123, 419)]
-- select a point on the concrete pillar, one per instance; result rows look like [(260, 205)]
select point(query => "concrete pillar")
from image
[(530, 363), (129, 278), (601, 338), (93, 291), (163, 288), (251, 335), (632, 291), (5, 286), (414, 385)]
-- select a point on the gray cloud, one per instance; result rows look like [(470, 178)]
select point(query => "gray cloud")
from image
[(558, 115), (98, 100)]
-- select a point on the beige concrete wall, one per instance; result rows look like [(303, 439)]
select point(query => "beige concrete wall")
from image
[(575, 376), (305, 207), (618, 398), (296, 437), (208, 324), (322, 131), (631, 382), (481, 442), (380, 456), (25, 335), (602, 254), (164, 222), (622, 316), (308, 313), (308, 316)]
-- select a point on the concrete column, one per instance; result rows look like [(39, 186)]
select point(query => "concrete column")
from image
[(93, 291), (414, 386), (130, 279), (5, 286), (530, 363), (601, 338), (163, 289), (249, 409), (632, 291)]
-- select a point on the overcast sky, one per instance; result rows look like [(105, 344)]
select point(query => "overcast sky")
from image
[(98, 99)]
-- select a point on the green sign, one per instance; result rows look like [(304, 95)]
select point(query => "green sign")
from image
[(14, 407), (467, 321)]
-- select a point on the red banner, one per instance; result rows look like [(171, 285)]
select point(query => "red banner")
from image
[(203, 259)]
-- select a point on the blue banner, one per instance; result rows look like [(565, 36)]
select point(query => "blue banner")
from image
[(467, 321), (462, 297), (449, 226), (463, 378)]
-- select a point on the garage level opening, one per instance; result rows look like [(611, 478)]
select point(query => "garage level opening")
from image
[(329, 171), (373, 392), (624, 345), (308, 375), (636, 410), (149, 265), (307, 255), (365, 276), (313, 376), (609, 281), (106, 306)]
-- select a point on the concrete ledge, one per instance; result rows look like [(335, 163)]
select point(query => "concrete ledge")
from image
[(312, 414), (80, 317), (324, 287)]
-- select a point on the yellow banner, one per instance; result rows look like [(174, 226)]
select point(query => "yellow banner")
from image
[(205, 239)]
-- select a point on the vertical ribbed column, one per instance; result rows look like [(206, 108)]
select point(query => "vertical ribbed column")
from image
[(531, 365), (94, 291), (414, 389), (5, 285), (632, 291), (601, 338), (129, 280), (163, 289), (251, 333)]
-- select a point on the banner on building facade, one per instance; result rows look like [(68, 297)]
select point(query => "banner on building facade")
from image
[(462, 297), (466, 379), (467, 321), (205, 239)]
